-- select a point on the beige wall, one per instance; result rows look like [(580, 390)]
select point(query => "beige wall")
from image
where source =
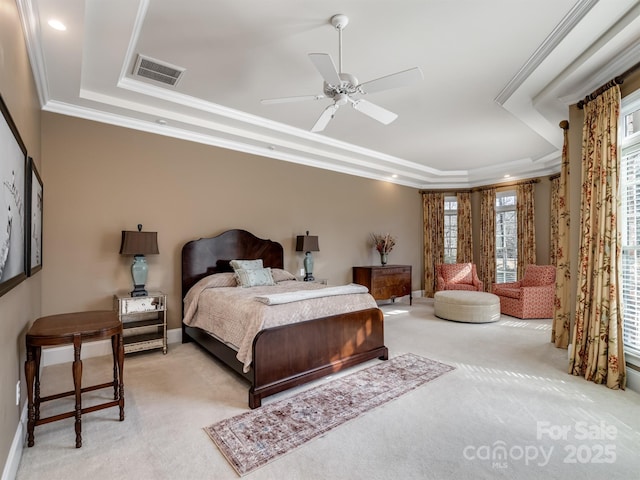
[(101, 179), (22, 304), (543, 226)]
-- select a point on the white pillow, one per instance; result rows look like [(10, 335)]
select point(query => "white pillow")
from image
[(254, 278)]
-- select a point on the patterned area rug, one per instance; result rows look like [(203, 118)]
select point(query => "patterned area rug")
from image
[(254, 438)]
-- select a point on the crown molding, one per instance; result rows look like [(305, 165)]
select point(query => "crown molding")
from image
[(573, 18), (29, 18)]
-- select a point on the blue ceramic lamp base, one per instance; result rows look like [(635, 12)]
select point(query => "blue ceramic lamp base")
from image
[(308, 267), (139, 272)]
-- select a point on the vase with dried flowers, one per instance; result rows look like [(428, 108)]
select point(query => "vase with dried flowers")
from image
[(383, 243)]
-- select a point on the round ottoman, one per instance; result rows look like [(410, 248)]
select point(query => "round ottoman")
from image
[(467, 306)]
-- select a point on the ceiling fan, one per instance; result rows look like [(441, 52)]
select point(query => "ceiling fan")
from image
[(343, 88)]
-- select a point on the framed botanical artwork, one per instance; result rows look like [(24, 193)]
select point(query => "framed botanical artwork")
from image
[(34, 214), (13, 185)]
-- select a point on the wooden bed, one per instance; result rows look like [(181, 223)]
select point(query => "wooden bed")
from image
[(289, 355)]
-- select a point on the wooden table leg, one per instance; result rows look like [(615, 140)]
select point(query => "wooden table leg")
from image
[(120, 357), (77, 384), (29, 371), (37, 354), (114, 352)]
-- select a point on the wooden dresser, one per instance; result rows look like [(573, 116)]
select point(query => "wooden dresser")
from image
[(385, 282)]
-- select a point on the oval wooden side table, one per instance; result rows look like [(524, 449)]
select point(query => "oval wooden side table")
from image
[(65, 329)]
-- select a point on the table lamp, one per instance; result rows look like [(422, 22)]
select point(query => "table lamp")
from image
[(139, 244), (307, 243)]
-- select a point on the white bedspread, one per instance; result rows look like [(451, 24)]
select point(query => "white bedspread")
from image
[(234, 314), (299, 295)]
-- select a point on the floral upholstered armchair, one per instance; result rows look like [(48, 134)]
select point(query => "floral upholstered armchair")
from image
[(457, 276), (531, 297)]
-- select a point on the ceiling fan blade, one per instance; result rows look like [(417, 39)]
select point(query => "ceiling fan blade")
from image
[(326, 67), (325, 118), (399, 79), (300, 98), (374, 111)]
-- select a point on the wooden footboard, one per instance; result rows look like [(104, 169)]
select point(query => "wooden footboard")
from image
[(290, 355)]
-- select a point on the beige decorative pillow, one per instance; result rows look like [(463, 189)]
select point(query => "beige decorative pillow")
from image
[(280, 275), (246, 264), (254, 278)]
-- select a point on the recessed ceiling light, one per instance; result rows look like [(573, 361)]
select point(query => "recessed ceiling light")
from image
[(57, 24), (161, 121), (394, 176), (507, 176)]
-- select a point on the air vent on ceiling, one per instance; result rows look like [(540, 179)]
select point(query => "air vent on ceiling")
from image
[(155, 70)]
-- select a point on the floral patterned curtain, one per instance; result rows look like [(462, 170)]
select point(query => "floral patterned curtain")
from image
[(553, 218), (597, 352), (487, 266), (525, 206), (465, 246), (433, 234), (560, 247)]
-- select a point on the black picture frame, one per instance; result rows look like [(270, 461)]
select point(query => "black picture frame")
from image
[(13, 187), (35, 215)]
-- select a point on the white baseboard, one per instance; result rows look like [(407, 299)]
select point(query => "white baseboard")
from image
[(64, 354), (633, 379), (15, 452)]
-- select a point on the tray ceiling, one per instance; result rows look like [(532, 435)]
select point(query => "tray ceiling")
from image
[(499, 76)]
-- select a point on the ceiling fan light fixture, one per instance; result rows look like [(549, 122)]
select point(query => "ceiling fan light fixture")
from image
[(341, 99)]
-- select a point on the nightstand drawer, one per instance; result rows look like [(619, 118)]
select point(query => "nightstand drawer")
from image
[(142, 304), (144, 321)]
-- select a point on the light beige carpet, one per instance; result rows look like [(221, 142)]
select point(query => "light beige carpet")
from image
[(253, 439), (508, 395)]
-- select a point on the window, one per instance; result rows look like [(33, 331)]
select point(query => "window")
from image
[(506, 237), (630, 223), (450, 229)]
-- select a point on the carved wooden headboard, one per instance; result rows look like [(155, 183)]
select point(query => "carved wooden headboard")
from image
[(207, 256)]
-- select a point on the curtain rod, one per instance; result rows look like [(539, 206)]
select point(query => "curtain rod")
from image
[(599, 91), (508, 184), (619, 80), (484, 187)]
